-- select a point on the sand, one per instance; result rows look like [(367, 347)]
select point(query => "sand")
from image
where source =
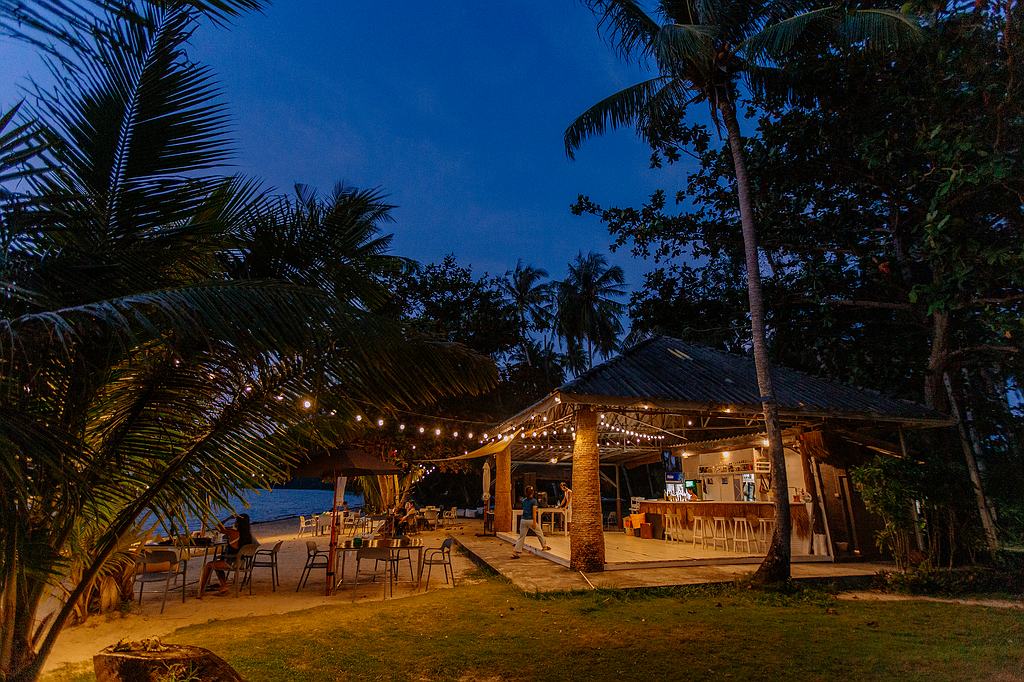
[(79, 643)]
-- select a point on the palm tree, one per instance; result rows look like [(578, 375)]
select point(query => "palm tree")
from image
[(531, 301), (137, 372), (701, 51), (587, 310), (332, 243)]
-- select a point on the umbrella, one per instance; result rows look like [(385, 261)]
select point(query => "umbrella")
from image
[(486, 481), (339, 464), (336, 462)]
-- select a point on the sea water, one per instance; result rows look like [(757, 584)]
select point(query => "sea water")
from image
[(283, 503)]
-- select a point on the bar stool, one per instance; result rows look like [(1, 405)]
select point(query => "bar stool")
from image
[(673, 528), (765, 530), (742, 533), (700, 531), (719, 532)]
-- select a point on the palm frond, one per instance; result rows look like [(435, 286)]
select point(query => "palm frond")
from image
[(197, 314), (879, 29), (874, 28), (20, 143), (58, 26), (615, 111), (679, 44), (626, 26), (136, 119)]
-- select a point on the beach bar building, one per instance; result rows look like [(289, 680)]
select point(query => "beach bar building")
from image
[(696, 412)]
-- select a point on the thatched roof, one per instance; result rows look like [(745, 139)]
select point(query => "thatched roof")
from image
[(677, 393)]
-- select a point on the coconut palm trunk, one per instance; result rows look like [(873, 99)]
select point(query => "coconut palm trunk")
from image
[(775, 567), (586, 533)]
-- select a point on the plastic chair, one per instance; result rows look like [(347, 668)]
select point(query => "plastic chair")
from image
[(162, 565), (430, 517), (449, 517), (612, 521), (307, 525), (241, 567), (315, 558), (267, 558), (442, 556)]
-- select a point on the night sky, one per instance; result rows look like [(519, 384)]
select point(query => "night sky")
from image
[(455, 109)]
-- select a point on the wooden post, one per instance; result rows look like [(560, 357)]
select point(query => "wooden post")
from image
[(503, 490), (586, 538), (817, 526), (618, 498)]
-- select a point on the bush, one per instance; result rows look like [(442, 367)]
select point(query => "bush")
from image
[(953, 582)]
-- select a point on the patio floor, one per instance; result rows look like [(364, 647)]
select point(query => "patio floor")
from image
[(656, 564), (626, 552)]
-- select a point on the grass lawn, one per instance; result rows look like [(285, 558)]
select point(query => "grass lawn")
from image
[(488, 630)]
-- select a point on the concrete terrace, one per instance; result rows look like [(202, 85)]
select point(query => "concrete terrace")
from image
[(533, 573)]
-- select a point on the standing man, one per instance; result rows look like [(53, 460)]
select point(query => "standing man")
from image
[(528, 522), (566, 502)]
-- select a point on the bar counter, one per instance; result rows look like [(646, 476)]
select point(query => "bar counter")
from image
[(753, 511)]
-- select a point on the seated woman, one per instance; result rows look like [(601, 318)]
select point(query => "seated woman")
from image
[(406, 519), (238, 536)]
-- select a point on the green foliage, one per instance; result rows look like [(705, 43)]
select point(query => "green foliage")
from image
[(956, 582), (891, 230), (588, 308), (163, 326), (889, 488)]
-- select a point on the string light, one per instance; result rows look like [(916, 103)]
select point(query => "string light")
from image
[(359, 417)]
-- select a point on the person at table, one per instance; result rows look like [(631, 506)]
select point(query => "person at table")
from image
[(407, 518), (237, 536), (530, 521), (566, 502)]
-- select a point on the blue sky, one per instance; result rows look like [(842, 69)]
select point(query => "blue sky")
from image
[(456, 109)]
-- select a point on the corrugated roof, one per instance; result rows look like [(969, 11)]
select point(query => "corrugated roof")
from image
[(673, 371)]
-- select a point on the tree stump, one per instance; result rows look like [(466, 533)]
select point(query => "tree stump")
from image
[(151, 661)]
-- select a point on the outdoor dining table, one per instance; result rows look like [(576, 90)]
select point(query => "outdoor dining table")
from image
[(394, 544)]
